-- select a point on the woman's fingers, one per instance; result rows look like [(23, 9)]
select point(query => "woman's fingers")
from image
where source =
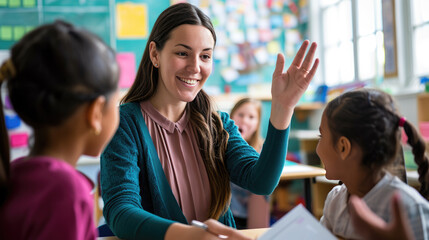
[(308, 61), (280, 63), (300, 54), (313, 69), (224, 232)]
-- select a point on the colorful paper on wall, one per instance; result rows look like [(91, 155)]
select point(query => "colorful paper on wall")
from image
[(127, 66), (14, 3), (29, 3), (131, 20), (12, 121), (6, 33), (7, 103), (19, 140), (18, 32)]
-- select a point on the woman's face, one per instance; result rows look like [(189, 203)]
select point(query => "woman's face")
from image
[(184, 63), (246, 117), (327, 152)]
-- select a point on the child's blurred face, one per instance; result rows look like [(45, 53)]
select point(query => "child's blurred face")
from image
[(185, 63), (327, 152), (246, 117)]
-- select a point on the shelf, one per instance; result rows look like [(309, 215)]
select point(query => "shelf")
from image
[(305, 134), (422, 107), (303, 110)]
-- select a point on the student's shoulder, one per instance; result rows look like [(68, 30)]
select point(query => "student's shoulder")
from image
[(337, 193), (74, 182), (55, 177)]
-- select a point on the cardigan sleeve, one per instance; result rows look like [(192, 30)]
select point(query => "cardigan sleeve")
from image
[(259, 174), (120, 186)]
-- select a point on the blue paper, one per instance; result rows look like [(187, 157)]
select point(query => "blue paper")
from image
[(12, 121)]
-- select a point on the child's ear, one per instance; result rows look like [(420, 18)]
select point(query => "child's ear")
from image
[(94, 114), (344, 147), (153, 52)]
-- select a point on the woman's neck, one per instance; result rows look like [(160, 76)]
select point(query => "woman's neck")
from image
[(173, 111)]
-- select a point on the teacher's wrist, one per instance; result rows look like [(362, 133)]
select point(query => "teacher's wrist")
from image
[(280, 116)]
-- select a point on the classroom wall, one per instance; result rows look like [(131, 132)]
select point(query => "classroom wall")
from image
[(250, 34)]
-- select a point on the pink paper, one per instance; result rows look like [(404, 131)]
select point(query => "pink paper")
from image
[(127, 66), (424, 130), (19, 140)]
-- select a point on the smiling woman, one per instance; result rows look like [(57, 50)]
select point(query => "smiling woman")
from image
[(174, 156), (184, 65)]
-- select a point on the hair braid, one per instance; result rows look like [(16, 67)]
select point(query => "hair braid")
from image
[(418, 146)]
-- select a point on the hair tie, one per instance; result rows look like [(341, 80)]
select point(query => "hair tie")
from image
[(402, 121), (7, 70)]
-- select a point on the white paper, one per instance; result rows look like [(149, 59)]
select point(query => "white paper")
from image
[(297, 224)]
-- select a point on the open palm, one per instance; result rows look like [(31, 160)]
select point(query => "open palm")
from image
[(287, 88)]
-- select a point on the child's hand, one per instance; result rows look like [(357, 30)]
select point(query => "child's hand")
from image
[(287, 88), (372, 226)]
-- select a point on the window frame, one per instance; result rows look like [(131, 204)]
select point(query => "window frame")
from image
[(406, 79)]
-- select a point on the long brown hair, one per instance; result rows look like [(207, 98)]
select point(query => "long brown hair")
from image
[(52, 71), (256, 139), (211, 136), (370, 118)]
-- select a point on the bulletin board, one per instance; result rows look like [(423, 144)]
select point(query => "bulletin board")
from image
[(20, 16), (250, 32), (250, 35)]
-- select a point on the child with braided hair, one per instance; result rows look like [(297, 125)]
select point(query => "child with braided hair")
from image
[(360, 134)]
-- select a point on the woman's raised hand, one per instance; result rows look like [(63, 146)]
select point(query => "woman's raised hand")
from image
[(287, 88)]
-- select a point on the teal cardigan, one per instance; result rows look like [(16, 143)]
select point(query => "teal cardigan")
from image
[(138, 200)]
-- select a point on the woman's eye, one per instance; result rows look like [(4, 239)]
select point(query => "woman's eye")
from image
[(206, 57), (182, 54)]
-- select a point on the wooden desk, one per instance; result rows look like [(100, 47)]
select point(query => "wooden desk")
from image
[(252, 233), (292, 171)]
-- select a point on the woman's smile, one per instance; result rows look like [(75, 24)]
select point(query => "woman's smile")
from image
[(189, 81)]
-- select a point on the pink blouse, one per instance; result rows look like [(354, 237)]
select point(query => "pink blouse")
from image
[(180, 158)]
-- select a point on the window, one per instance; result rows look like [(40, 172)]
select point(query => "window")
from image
[(352, 40), (420, 26)]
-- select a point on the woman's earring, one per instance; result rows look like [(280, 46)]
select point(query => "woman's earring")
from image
[(156, 64), (97, 131)]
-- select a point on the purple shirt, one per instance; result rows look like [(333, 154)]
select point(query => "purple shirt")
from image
[(181, 161), (48, 199)]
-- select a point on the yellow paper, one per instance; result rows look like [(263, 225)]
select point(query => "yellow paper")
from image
[(274, 47), (132, 20)]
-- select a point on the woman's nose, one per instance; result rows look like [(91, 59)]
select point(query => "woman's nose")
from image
[(194, 65)]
